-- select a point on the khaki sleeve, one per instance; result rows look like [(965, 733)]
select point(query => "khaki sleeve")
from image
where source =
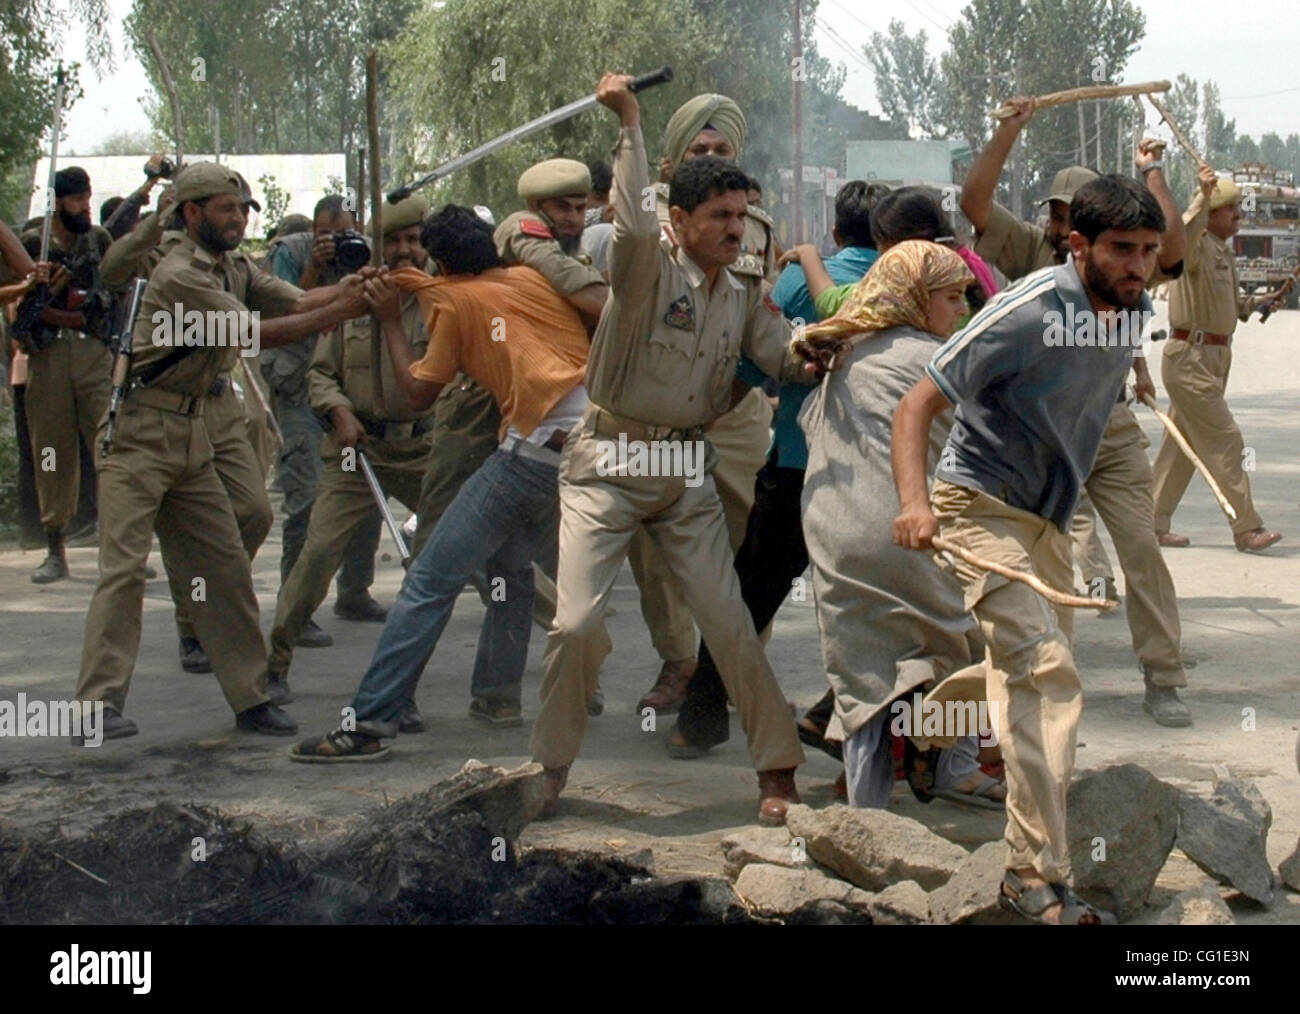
[(269, 295), (634, 248), (325, 373), (767, 338), (1195, 220), (566, 274), (1009, 243), (126, 257)]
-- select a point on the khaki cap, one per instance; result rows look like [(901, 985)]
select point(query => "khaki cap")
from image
[(1067, 181), (556, 177), (208, 179), (1225, 192), (405, 213)]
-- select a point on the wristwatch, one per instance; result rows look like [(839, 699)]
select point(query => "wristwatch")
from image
[(1157, 164)]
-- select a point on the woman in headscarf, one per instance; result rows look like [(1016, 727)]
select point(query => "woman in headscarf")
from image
[(887, 626)]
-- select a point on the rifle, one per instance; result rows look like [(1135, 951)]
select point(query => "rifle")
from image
[(27, 324), (654, 77), (1267, 311), (122, 361), (394, 529)]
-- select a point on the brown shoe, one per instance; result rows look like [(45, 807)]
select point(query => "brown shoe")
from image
[(669, 691), (1171, 541), (1255, 540), (776, 791), (553, 782)]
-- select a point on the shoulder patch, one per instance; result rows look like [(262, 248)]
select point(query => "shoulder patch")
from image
[(535, 228), (771, 305)]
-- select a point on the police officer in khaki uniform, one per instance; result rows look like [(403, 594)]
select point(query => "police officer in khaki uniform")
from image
[(159, 473), (68, 365), (367, 412), (662, 366), (708, 124), (1204, 307), (226, 415), (1120, 485)]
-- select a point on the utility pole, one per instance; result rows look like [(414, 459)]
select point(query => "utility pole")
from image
[(796, 67)]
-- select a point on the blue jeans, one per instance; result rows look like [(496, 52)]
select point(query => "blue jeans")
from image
[(501, 520)]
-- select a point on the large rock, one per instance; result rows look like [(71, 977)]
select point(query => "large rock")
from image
[(769, 845), (1200, 906), (1227, 836), (1136, 817), (875, 848), (779, 891), (903, 904), (971, 896), (1290, 869)]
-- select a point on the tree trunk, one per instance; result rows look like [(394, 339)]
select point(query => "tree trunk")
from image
[(1083, 140)]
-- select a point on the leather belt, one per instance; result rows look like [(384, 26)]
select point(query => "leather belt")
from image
[(609, 424), (1199, 336), (168, 401)]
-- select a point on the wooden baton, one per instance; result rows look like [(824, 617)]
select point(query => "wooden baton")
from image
[(1168, 117), (1181, 441), (1064, 98), (1059, 598)]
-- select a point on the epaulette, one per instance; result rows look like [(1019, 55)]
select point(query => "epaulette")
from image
[(536, 228)]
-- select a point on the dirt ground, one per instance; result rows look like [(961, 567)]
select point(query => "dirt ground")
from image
[(1241, 624)]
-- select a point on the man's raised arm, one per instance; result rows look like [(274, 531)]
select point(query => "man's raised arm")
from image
[(982, 180)]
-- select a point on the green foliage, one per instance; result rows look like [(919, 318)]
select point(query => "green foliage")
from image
[(470, 70), (907, 80), (8, 471), (277, 201)]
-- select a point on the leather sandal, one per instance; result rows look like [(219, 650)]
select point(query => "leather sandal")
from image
[(1033, 902)]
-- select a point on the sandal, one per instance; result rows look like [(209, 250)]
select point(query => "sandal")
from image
[(339, 747), (1033, 902), (978, 797)]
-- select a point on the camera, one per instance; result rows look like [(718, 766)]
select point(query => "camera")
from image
[(167, 170), (351, 251)]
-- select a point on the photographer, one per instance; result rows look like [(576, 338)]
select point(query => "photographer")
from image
[(310, 260), (63, 327)]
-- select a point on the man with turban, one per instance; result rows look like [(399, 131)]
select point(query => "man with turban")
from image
[(706, 125)]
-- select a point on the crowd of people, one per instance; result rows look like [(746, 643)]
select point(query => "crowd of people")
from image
[(629, 368)]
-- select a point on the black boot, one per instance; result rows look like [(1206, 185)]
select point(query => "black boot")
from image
[(55, 567)]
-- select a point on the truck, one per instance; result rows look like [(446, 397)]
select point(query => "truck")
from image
[(1267, 246)]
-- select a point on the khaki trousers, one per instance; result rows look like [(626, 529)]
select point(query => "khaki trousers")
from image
[(599, 516), (1031, 678), (68, 389), (1195, 377), (244, 479), (343, 503), (160, 476), (1120, 487), (741, 438), (466, 423), (1085, 542)]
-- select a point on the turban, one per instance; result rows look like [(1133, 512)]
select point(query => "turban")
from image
[(896, 291), (715, 111), (70, 181)]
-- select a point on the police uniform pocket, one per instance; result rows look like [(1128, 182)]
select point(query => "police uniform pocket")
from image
[(670, 353)]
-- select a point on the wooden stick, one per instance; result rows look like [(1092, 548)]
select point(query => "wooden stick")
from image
[(1080, 94), (81, 869), (372, 123), (1047, 591), (1181, 441), (1168, 117)]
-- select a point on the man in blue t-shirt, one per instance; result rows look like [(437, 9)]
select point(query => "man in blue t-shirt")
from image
[(1034, 377)]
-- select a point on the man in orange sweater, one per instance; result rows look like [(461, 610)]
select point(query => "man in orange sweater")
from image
[(510, 331)]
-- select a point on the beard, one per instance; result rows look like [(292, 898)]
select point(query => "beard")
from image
[(215, 240), (1104, 288), (571, 245), (74, 223)]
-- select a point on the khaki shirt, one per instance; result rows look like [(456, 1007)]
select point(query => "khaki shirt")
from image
[(666, 349), (96, 239), (524, 238), (1015, 247), (342, 373), (198, 280), (1206, 296), (137, 253), (757, 260)]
